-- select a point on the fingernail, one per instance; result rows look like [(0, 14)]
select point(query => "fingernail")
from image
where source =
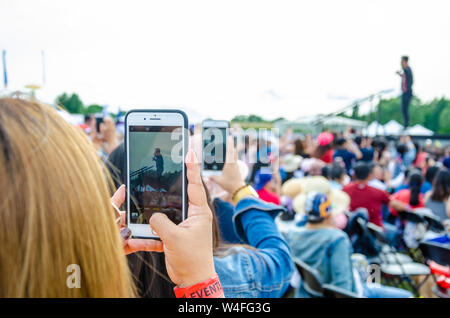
[(190, 156), (125, 233), (194, 157)]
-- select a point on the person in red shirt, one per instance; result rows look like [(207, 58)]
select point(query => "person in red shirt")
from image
[(364, 196), (265, 184), (324, 150), (410, 196)]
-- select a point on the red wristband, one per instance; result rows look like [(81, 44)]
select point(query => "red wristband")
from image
[(210, 288)]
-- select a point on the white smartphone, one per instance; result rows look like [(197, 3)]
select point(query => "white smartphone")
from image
[(156, 143), (214, 146)]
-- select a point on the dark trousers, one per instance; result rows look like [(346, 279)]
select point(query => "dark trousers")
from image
[(406, 98)]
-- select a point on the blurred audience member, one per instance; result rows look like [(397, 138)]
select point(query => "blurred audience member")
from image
[(410, 196), (438, 200), (348, 151), (328, 250), (364, 196)]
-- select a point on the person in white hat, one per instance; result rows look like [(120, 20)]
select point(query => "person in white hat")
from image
[(328, 250), (290, 163)]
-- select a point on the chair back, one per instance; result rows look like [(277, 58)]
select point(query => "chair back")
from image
[(312, 280), (434, 222), (434, 251), (331, 291), (377, 232), (412, 217)]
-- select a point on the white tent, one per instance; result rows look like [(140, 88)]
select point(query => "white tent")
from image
[(419, 130), (375, 128), (393, 128), (317, 122)]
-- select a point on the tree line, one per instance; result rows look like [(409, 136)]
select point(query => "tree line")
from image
[(73, 104), (434, 115)]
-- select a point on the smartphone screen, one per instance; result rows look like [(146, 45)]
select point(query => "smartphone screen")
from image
[(98, 121), (155, 176), (214, 147)]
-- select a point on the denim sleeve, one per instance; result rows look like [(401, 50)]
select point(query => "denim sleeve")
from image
[(271, 266), (340, 263), (224, 212)]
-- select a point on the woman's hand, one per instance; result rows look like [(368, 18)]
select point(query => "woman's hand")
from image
[(188, 246), (230, 179), (131, 245), (106, 138)]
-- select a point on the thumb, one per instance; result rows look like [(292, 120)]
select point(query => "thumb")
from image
[(119, 196), (196, 190), (163, 226)]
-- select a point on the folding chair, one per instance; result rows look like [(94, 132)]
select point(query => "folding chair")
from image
[(312, 280), (394, 265), (411, 217), (331, 291), (434, 223), (416, 218), (435, 251), (312, 283), (438, 258), (388, 254)]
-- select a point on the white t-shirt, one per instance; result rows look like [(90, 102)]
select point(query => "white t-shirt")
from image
[(375, 183)]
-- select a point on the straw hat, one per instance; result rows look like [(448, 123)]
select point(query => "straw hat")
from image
[(340, 201), (291, 162), (292, 187), (316, 183)]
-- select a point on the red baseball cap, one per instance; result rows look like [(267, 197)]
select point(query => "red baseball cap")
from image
[(325, 138)]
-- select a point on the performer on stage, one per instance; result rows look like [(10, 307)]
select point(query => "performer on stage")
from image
[(407, 82), (158, 158)]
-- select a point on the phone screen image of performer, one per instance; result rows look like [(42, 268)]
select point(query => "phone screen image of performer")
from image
[(155, 177)]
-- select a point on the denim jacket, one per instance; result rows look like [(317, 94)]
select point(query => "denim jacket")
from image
[(260, 273)]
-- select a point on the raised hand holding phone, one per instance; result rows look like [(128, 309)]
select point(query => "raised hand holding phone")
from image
[(131, 245), (188, 245), (230, 179)]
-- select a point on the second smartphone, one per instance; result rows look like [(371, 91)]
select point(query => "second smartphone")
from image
[(214, 143)]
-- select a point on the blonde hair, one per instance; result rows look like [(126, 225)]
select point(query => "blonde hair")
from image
[(55, 209)]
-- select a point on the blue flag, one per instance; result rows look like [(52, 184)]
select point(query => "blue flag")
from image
[(5, 75)]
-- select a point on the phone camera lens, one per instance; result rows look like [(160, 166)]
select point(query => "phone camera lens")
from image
[(145, 118)]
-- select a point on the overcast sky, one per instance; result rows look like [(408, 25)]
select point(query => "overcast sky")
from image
[(222, 58)]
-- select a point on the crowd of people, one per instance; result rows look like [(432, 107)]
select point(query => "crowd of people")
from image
[(63, 187), (329, 179)]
